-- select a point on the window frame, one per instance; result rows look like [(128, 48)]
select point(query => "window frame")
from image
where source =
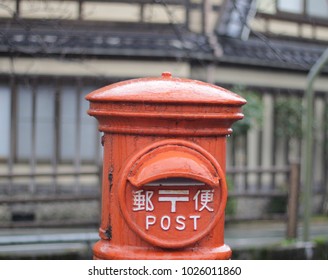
[(303, 14)]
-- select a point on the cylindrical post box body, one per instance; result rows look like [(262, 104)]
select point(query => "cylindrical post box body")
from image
[(164, 190)]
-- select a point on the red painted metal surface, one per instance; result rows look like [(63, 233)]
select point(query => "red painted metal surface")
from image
[(164, 190)]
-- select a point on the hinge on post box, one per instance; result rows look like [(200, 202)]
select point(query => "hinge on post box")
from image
[(110, 178), (102, 140), (108, 233)]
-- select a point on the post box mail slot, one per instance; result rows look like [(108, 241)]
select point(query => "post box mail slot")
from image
[(164, 189), (173, 194)]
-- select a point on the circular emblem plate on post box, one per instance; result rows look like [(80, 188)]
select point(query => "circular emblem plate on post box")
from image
[(172, 193)]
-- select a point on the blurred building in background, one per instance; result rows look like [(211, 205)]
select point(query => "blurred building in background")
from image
[(52, 53)]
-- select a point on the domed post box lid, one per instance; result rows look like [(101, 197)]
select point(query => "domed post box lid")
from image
[(165, 106)]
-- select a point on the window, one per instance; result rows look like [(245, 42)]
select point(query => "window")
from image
[(318, 8), (291, 6), (314, 8), (38, 136)]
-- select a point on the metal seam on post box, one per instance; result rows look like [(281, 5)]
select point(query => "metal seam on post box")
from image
[(168, 131), (211, 116)]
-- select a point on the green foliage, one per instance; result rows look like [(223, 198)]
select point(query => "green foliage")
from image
[(288, 242), (253, 111), (321, 240), (326, 121), (231, 206), (288, 112), (231, 202), (277, 205)]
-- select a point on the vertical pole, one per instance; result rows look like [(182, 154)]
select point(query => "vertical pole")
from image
[(267, 138), (308, 173), (325, 159), (56, 137), (293, 200), (77, 156), (203, 18), (206, 14), (245, 161), (274, 142), (17, 8), (187, 15), (80, 13), (33, 158), (13, 130)]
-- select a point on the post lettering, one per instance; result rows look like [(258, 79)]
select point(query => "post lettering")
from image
[(150, 221), (195, 221), (168, 223), (180, 220)]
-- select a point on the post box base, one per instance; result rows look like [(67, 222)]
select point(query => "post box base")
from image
[(103, 250)]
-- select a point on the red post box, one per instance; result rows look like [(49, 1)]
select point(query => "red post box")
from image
[(164, 189)]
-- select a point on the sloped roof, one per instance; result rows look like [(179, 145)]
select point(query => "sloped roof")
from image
[(241, 46), (46, 38), (93, 41), (287, 54)]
